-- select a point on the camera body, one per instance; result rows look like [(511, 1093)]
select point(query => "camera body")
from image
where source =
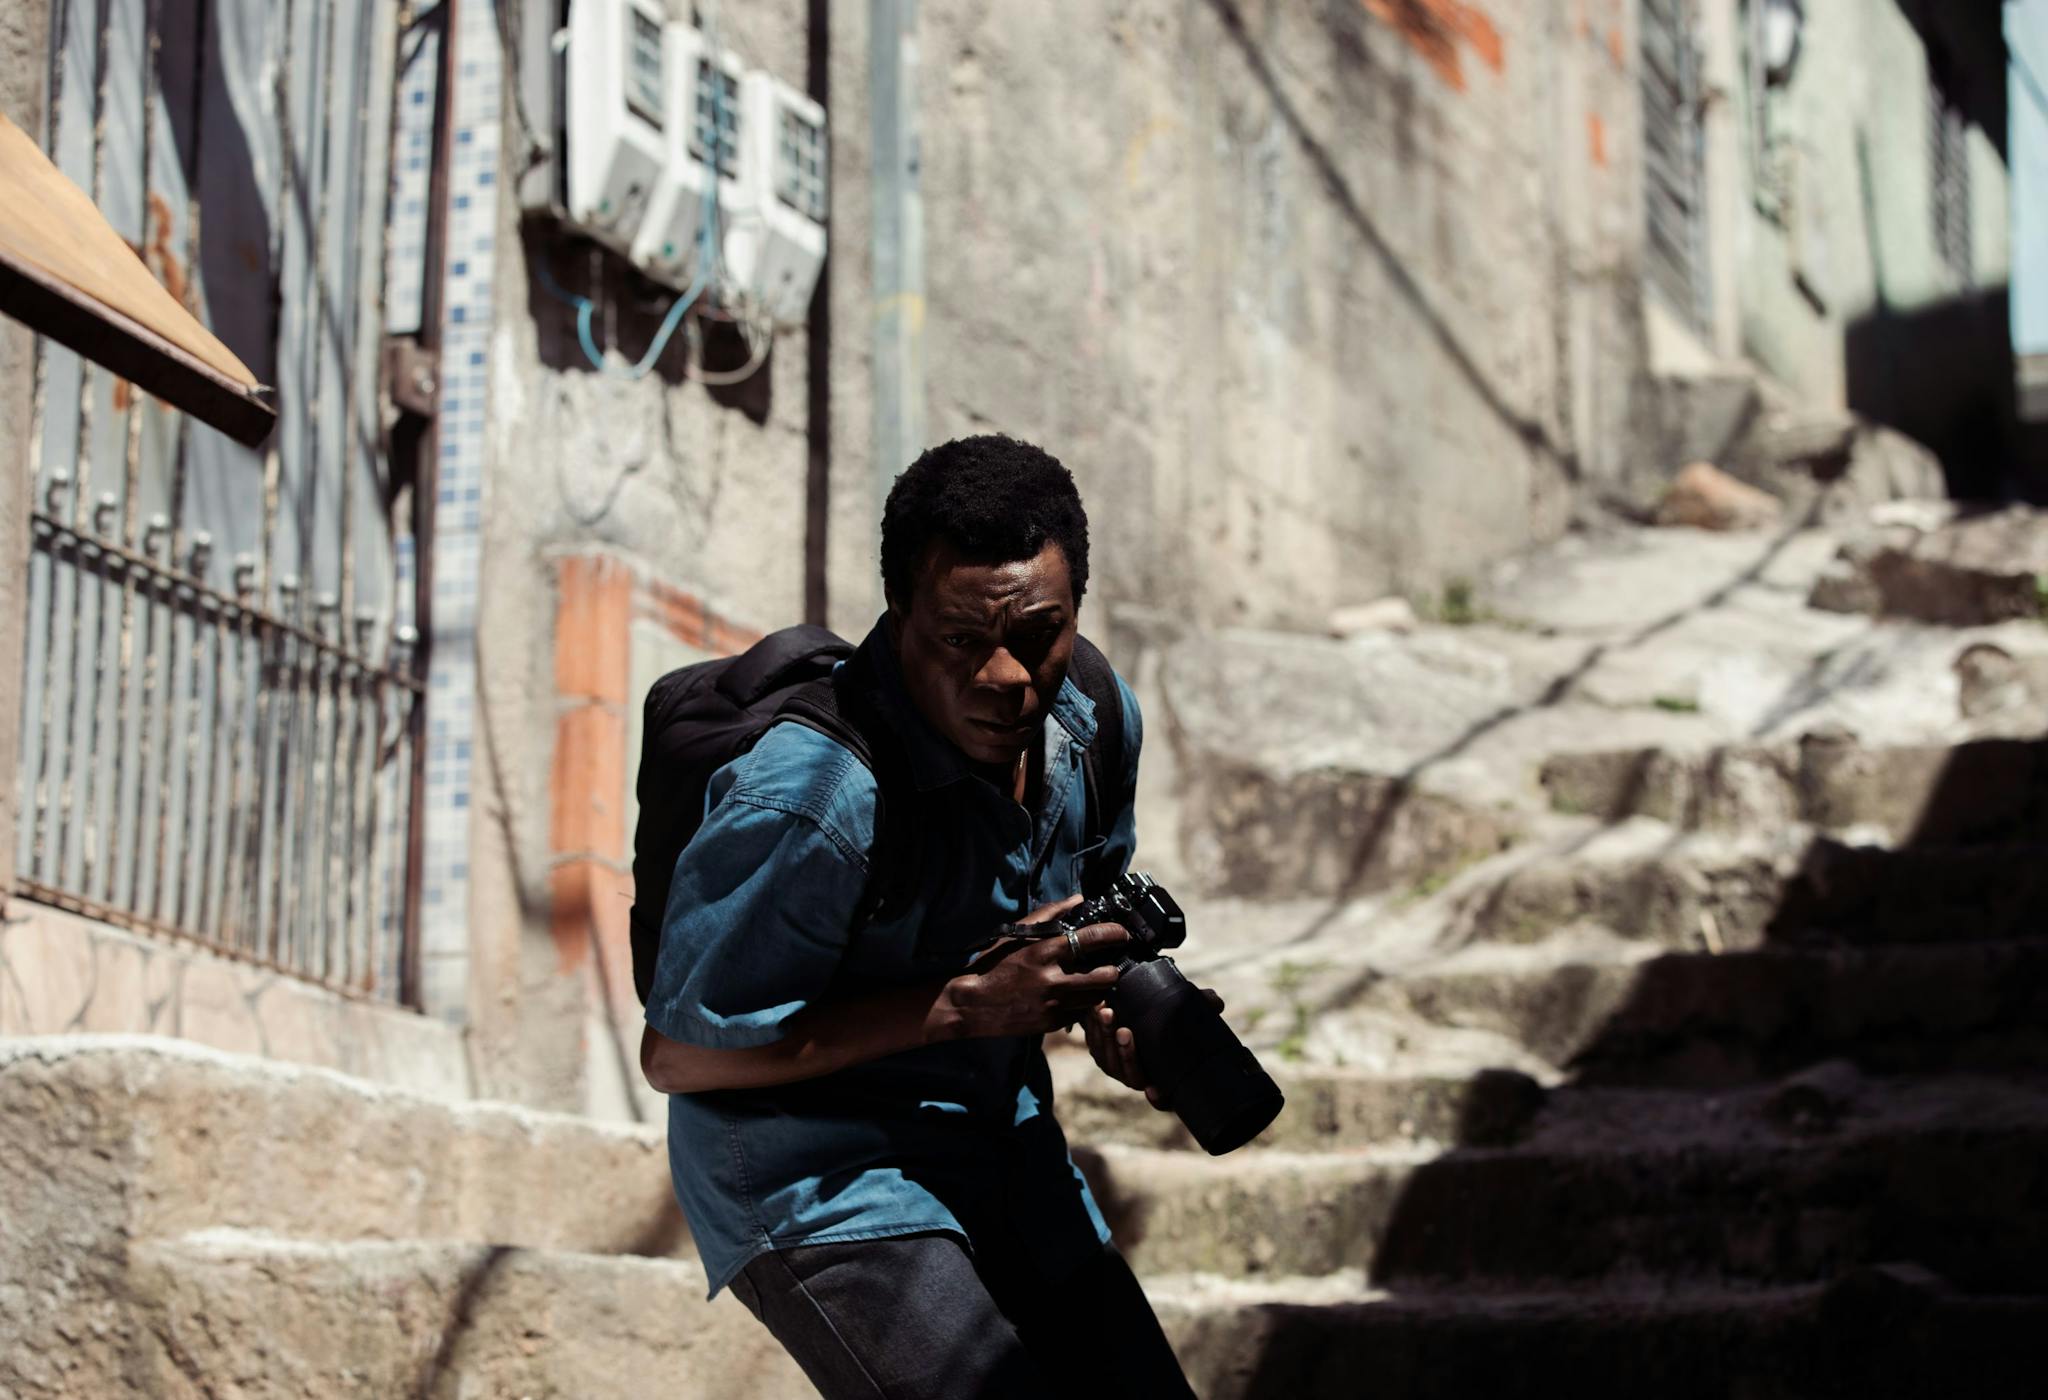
[(1142, 905), (1217, 1086)]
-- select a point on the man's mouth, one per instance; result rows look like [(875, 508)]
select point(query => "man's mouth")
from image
[(999, 729)]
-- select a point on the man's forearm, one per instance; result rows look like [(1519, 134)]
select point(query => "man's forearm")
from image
[(817, 1040)]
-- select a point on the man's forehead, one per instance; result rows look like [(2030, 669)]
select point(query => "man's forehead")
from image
[(957, 584)]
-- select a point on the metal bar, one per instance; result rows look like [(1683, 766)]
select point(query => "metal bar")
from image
[(89, 841), (320, 781), (228, 910), (357, 688), (202, 635), (267, 642), (281, 834), (373, 834), (191, 583), (169, 729), (60, 481), (212, 814), (152, 538), (65, 825)]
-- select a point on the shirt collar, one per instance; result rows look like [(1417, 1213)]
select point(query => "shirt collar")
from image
[(934, 760)]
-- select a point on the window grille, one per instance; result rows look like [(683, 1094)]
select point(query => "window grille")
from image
[(1674, 159), (221, 709), (1949, 178)]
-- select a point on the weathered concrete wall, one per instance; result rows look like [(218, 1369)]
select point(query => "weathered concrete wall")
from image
[(697, 488), (24, 64), (1318, 301)]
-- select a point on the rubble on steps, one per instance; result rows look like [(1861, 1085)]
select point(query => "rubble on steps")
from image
[(1704, 497), (1948, 565)]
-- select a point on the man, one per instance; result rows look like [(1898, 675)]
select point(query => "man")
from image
[(860, 1121)]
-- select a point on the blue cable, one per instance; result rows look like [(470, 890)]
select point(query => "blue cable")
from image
[(708, 243)]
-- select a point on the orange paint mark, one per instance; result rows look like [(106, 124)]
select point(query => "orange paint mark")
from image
[(1436, 29), (1616, 47), (124, 395), (1598, 131), (159, 257), (593, 621)]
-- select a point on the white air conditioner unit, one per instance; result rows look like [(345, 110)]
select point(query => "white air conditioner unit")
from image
[(706, 131), (775, 242), (617, 96)]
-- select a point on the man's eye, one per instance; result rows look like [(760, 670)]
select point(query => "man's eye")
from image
[(956, 640)]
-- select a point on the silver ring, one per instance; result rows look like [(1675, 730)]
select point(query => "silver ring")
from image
[(1073, 945)]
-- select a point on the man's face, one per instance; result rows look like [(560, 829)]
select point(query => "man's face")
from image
[(985, 647)]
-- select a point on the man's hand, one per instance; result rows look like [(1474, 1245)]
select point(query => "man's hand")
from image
[(1116, 1049), (1019, 987)]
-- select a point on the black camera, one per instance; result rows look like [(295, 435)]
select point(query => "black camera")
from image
[(1208, 1077)]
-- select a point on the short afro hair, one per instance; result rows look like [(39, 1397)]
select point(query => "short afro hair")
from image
[(994, 498)]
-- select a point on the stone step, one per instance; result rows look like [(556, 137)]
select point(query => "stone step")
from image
[(1326, 1108), (1891, 1332), (226, 1311), (1777, 1184), (1713, 894), (1702, 1019), (1256, 1213), (1989, 790), (1964, 1198), (167, 1137)]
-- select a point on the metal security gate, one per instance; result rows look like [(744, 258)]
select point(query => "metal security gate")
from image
[(1674, 159), (222, 710)]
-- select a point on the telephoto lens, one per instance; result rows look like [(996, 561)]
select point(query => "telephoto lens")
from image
[(1204, 1072)]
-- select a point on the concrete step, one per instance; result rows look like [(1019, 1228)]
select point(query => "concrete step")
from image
[(1989, 790), (1711, 893), (1326, 1108), (164, 1137), (1956, 1187), (1701, 1019), (1256, 1213), (231, 1312), (1786, 1183), (1891, 1332)]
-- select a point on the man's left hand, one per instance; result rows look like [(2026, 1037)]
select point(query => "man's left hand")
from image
[(1116, 1049)]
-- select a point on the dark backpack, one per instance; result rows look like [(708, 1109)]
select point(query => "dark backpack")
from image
[(699, 718)]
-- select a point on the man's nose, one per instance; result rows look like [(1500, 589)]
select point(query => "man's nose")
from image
[(1003, 671)]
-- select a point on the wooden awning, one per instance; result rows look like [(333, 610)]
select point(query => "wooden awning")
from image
[(66, 273)]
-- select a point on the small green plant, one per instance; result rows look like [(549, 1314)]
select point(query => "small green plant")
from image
[(1252, 1019), (1459, 609), (1294, 1047), (1286, 979), (1677, 704), (2041, 596)]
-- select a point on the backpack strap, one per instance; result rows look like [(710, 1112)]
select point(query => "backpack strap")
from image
[(839, 707), (1102, 762)]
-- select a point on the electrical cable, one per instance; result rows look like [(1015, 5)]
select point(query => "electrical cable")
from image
[(710, 269)]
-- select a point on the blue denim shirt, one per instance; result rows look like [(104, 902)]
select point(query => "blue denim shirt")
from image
[(954, 1137)]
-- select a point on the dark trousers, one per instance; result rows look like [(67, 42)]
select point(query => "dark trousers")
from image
[(918, 1317)]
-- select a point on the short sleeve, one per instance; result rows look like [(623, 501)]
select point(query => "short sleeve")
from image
[(758, 918)]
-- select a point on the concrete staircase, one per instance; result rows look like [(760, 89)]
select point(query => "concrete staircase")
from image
[(1714, 1068)]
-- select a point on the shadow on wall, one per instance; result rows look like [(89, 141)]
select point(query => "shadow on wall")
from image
[(1944, 375), (627, 313), (1816, 1166)]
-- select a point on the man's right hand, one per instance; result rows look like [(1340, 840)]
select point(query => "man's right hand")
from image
[(1020, 987)]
